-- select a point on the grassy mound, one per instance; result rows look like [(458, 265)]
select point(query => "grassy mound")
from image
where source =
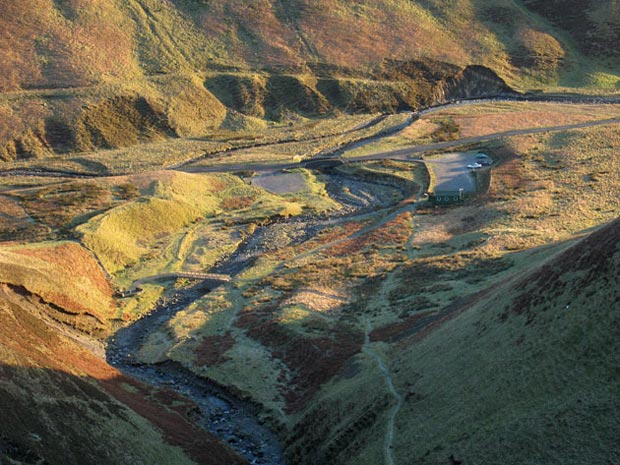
[(243, 93), (148, 235), (121, 236), (45, 123), (119, 122), (295, 93)]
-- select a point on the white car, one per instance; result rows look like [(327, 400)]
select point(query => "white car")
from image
[(474, 166)]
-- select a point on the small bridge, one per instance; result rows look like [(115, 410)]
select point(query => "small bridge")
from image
[(321, 163), (214, 277)]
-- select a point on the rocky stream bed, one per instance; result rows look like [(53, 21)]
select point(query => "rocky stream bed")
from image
[(234, 420)]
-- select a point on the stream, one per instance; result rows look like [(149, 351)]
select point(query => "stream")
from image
[(231, 419)]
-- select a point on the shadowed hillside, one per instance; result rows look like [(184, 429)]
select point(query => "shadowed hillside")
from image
[(60, 401), (62, 404), (593, 25), (514, 374), (536, 358)]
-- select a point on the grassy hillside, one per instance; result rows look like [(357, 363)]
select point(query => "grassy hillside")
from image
[(479, 333), (142, 71), (594, 26), (196, 110), (524, 371), (151, 37), (473, 324), (536, 357), (41, 124), (64, 275), (68, 43)]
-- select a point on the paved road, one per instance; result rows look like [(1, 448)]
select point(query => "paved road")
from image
[(406, 152)]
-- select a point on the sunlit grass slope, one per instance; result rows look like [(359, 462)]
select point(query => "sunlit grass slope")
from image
[(121, 236), (77, 43)]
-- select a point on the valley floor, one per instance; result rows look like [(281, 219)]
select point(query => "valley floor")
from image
[(362, 324)]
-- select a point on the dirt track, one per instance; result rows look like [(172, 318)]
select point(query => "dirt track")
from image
[(389, 433)]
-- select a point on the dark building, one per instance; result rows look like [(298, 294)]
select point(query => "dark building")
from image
[(444, 197)]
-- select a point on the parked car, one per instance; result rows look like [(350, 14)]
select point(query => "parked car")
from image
[(474, 166)]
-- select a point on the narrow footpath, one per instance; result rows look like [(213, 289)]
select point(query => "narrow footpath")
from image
[(389, 434)]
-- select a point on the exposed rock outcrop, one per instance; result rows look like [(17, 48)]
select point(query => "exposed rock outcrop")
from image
[(471, 82)]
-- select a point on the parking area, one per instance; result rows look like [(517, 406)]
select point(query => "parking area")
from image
[(452, 172)]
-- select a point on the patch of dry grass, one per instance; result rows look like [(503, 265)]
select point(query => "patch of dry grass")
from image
[(492, 118)]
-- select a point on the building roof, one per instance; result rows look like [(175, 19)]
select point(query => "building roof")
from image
[(447, 193)]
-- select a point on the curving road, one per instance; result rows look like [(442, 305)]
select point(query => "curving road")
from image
[(405, 153)]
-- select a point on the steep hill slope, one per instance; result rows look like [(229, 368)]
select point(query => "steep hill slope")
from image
[(60, 402), (593, 25), (536, 358), (68, 43), (42, 124), (64, 275), (129, 72), (521, 373)]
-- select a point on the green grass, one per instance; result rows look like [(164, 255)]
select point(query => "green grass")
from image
[(134, 307), (247, 366), (185, 222), (463, 250), (546, 369), (478, 388), (122, 236), (356, 406)]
